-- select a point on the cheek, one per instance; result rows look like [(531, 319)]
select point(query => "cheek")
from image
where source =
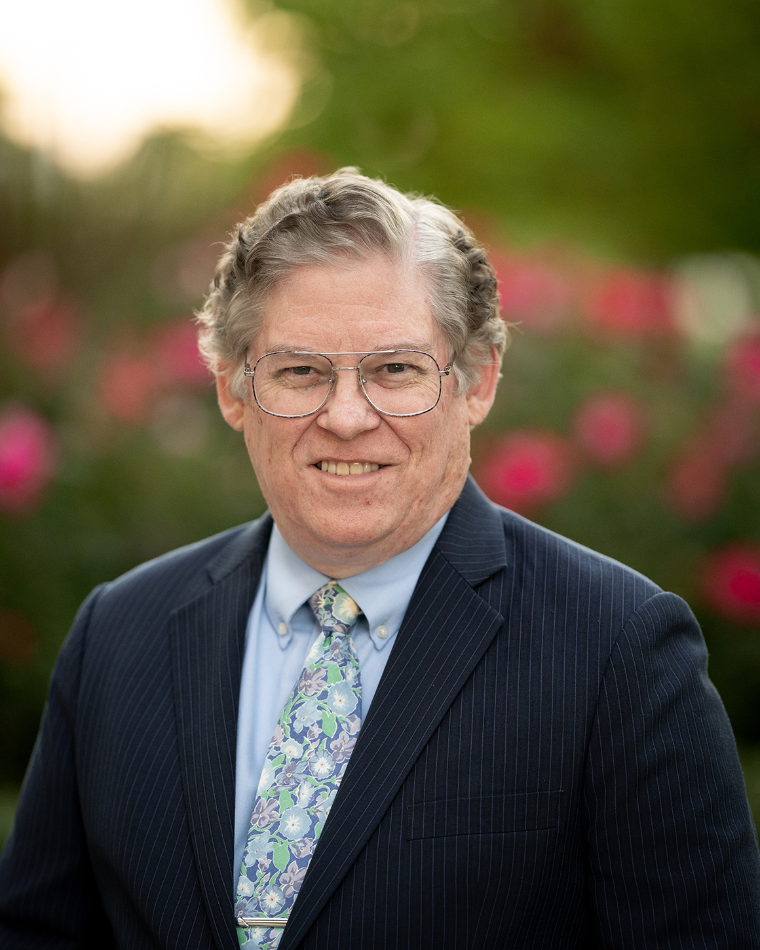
[(271, 445)]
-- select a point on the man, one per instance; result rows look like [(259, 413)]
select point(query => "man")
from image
[(388, 714)]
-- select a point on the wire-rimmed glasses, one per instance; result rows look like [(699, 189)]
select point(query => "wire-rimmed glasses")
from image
[(298, 383)]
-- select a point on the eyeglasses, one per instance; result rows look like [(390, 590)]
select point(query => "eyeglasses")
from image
[(299, 383)]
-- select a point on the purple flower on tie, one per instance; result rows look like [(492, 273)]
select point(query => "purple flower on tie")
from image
[(242, 908), (292, 879), (340, 648), (314, 734), (302, 848), (265, 812), (353, 723), (264, 865), (312, 681), (278, 735), (293, 773), (342, 746)]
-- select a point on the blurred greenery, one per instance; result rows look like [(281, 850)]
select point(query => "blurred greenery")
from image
[(582, 140)]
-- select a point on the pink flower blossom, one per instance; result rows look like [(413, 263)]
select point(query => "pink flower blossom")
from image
[(731, 582), (730, 432), (46, 333), (742, 367), (627, 303), (697, 482), (27, 459), (527, 469), (532, 293), (175, 355), (610, 427), (128, 386)]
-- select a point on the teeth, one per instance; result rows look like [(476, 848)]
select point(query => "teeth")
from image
[(348, 468)]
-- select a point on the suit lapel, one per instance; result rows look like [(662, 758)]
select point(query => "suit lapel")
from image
[(445, 632), (208, 641)]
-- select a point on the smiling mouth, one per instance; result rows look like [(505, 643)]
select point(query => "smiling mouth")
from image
[(347, 468)]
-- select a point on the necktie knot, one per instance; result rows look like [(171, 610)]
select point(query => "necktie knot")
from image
[(335, 610)]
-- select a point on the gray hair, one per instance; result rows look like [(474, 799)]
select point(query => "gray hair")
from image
[(318, 220)]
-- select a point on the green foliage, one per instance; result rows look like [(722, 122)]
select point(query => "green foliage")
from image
[(627, 126)]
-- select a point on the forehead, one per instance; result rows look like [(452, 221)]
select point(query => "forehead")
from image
[(349, 305)]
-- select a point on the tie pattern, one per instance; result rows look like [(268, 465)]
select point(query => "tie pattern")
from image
[(307, 757)]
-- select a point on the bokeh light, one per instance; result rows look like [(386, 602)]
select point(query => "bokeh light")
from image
[(85, 81)]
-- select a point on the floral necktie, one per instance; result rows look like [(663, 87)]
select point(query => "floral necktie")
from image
[(307, 757)]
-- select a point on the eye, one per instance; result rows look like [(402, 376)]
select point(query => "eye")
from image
[(396, 367), (301, 370)]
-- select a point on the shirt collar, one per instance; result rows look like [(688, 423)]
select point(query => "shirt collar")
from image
[(290, 581)]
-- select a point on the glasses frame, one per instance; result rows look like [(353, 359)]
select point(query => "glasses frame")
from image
[(251, 373)]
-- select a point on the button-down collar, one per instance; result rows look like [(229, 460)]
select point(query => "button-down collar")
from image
[(291, 581)]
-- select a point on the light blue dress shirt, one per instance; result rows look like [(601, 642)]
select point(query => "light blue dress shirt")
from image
[(281, 630)]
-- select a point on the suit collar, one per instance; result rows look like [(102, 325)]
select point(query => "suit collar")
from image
[(249, 545), (208, 638), (473, 539)]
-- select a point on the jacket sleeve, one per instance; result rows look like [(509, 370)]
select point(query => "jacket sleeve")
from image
[(672, 851), (48, 895)]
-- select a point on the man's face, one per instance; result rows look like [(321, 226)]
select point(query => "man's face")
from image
[(344, 524)]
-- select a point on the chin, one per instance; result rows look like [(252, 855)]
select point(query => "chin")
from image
[(354, 531)]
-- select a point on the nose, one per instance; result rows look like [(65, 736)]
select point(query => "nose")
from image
[(347, 413)]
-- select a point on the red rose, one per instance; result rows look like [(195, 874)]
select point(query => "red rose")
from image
[(731, 582), (527, 469)]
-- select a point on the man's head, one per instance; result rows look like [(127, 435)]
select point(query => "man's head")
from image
[(338, 264)]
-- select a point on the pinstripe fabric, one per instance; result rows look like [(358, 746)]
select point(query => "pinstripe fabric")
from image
[(544, 765)]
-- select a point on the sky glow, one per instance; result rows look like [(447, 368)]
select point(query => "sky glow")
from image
[(84, 81)]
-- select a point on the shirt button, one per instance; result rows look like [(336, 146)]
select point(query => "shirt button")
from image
[(382, 631), (282, 629)]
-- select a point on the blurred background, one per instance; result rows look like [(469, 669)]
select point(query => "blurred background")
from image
[(606, 151)]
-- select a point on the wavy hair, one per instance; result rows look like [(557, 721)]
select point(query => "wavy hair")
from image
[(321, 219)]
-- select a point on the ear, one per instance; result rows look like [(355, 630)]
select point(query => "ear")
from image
[(480, 396), (232, 408)]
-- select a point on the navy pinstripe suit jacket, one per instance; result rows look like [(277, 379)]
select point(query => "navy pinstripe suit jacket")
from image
[(545, 765)]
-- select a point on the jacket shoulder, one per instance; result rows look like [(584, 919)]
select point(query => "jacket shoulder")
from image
[(488, 543), (570, 579)]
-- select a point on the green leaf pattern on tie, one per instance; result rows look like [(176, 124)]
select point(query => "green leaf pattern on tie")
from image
[(306, 761)]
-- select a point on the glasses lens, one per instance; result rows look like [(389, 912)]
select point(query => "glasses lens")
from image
[(401, 383), (292, 384)]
